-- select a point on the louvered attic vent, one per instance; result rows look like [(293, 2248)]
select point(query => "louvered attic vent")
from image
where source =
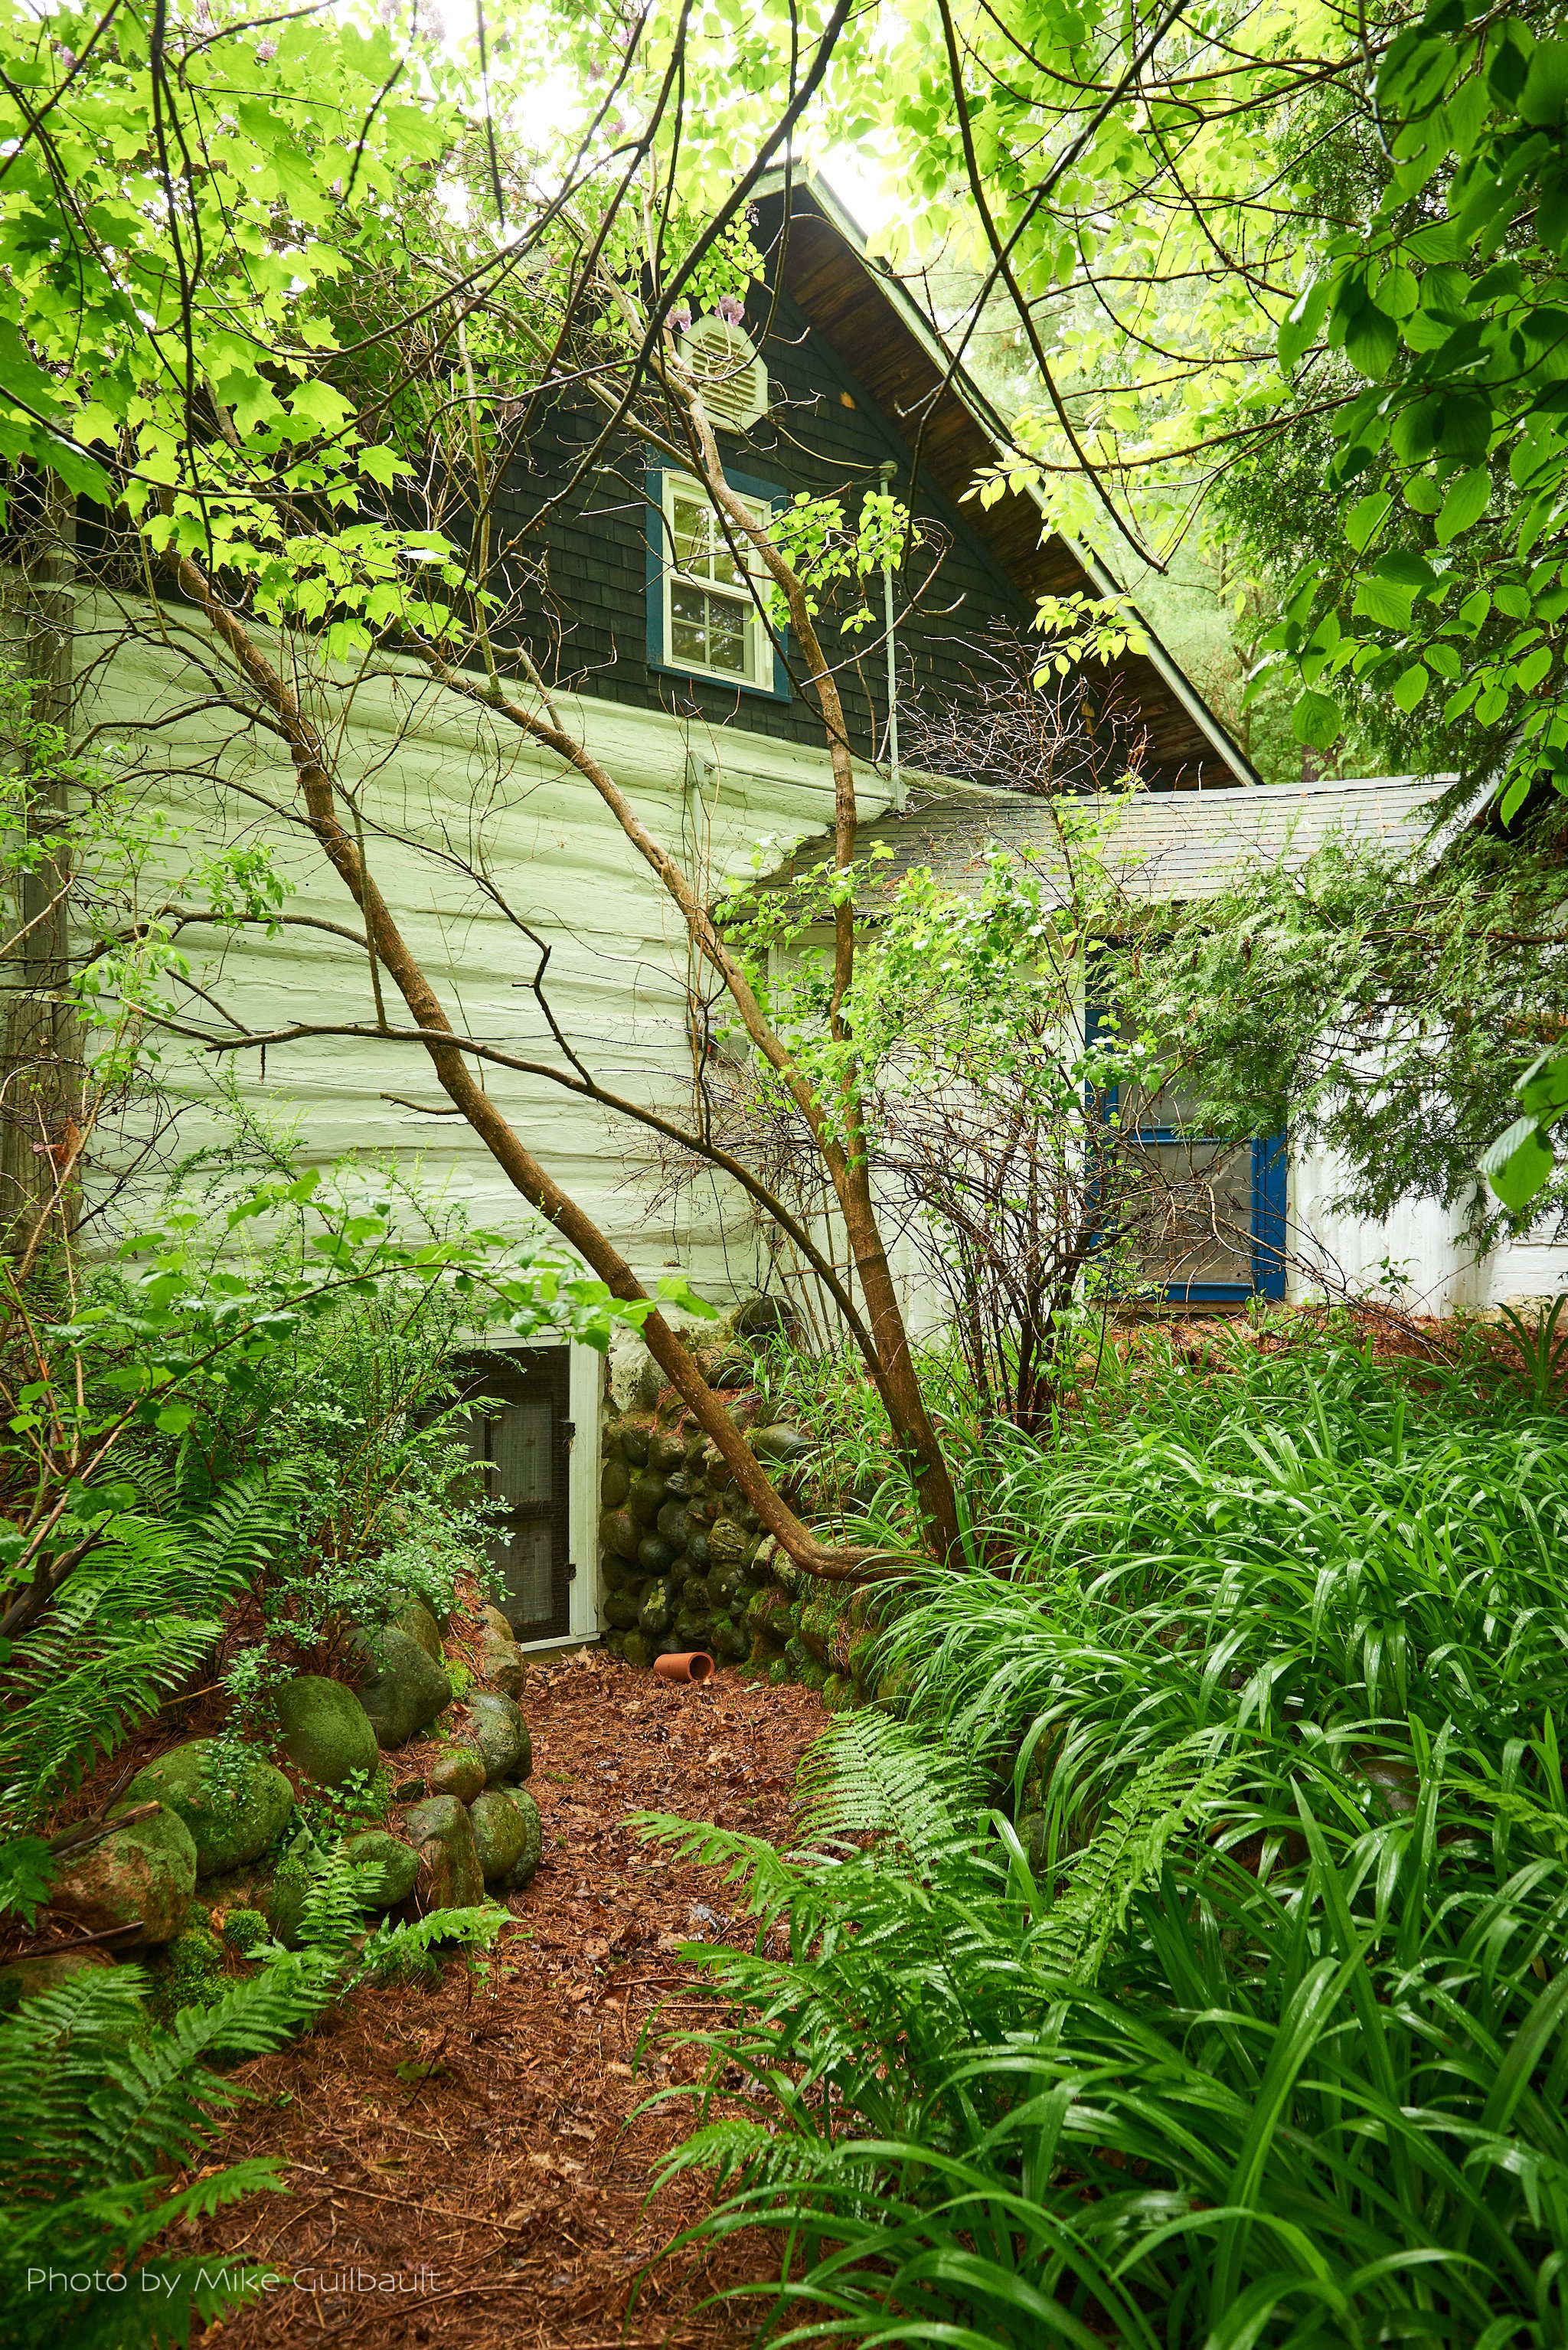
[(734, 380)]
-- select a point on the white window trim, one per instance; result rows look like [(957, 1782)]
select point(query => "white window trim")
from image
[(759, 643)]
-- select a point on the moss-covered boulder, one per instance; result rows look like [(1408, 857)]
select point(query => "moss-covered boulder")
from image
[(527, 1860), (398, 1864), (143, 1875), (26, 1978), (460, 1771), (325, 1729), (500, 1834), (233, 1800), (405, 1688), (411, 1615), (450, 1876), (497, 1729)]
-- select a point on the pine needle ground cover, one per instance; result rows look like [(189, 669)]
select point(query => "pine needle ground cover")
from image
[(1180, 1957)]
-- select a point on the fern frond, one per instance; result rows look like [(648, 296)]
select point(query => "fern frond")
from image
[(1127, 1853)]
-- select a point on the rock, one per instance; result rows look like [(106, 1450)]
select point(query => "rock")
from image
[(325, 1729), (764, 1317), (620, 1611), (649, 1494), (653, 1615), (527, 1860), (616, 1482), (412, 1616), (502, 1665), (634, 1442), (728, 1544), (26, 1978), (398, 1864), (234, 1812), (637, 1650), (406, 1688), (497, 1625), (620, 1532), (786, 1445), (459, 1772), (449, 1873), (146, 1871), (277, 1892), (672, 1525), (500, 1735), (500, 1834)]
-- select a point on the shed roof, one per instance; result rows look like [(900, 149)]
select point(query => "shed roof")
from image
[(1156, 844), (887, 343)]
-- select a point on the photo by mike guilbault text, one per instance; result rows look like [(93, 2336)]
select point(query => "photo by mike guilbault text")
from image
[(235, 2276)]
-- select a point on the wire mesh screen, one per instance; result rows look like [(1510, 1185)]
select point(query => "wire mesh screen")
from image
[(521, 1438)]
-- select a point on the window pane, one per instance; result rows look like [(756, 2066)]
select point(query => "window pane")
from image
[(727, 636), (1193, 1220), (691, 529), (687, 624), (1175, 1102), (701, 549)]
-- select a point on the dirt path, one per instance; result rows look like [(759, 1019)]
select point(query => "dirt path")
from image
[(460, 2162)]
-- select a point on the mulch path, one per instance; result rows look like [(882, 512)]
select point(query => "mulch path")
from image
[(501, 2195)]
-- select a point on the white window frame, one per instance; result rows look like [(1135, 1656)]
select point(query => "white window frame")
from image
[(758, 674)]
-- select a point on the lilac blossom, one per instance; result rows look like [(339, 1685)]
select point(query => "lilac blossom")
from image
[(731, 308), (266, 52)]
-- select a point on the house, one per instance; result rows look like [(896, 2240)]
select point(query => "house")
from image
[(635, 614)]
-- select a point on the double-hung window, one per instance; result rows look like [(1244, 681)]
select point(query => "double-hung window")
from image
[(703, 616)]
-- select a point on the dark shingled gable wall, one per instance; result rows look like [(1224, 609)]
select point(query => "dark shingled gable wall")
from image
[(586, 624)]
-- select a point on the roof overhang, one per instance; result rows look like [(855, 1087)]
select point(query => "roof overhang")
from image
[(884, 341)]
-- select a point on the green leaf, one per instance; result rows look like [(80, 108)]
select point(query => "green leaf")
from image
[(1410, 688), (1545, 90), (1518, 1164), (1316, 720), (1465, 503), (1303, 324), (1543, 1089), (1366, 518), (1385, 601), (1371, 339)]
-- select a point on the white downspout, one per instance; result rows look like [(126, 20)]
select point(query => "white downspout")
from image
[(895, 771)]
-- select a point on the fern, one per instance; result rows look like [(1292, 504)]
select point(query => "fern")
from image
[(1129, 1853), (101, 2110), (129, 1624)]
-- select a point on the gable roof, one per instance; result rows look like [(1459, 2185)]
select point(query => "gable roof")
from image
[(884, 339), (1155, 846)]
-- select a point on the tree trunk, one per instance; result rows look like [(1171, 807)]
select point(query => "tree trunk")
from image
[(40, 1068)]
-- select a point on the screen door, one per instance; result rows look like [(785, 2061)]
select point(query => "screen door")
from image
[(523, 1437)]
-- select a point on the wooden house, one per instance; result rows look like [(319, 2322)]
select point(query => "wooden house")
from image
[(652, 643)]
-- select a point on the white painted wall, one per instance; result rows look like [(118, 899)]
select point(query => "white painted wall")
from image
[(1422, 1239)]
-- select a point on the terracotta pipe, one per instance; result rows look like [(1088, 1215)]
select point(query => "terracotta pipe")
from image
[(693, 1665)]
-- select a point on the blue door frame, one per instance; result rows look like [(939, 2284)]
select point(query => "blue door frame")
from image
[(1267, 1203)]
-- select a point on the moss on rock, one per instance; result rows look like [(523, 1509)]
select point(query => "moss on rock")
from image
[(231, 1799), (325, 1729)]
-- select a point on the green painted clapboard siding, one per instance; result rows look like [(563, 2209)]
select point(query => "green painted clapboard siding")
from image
[(618, 955)]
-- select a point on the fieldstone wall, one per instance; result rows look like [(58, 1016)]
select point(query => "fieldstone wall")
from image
[(684, 1561)]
